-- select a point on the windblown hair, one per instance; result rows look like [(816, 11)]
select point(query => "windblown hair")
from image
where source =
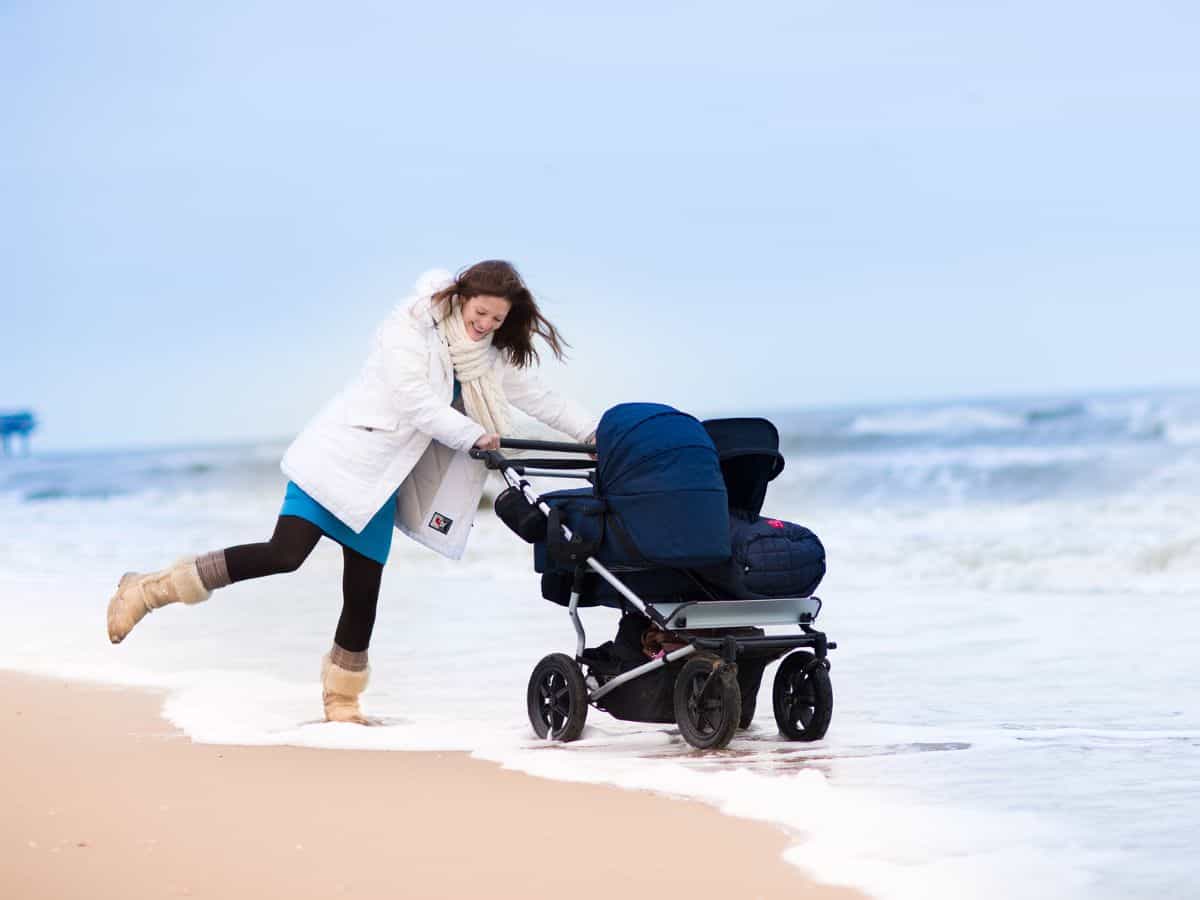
[(497, 278)]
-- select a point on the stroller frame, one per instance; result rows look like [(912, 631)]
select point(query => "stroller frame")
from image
[(680, 619)]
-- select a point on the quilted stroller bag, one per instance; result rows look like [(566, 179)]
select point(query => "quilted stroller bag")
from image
[(774, 558)]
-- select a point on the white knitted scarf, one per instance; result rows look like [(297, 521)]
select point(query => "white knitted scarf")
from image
[(483, 397)]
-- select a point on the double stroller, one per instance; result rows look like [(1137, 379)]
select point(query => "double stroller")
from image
[(669, 533)]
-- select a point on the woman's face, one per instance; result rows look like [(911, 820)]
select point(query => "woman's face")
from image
[(483, 314)]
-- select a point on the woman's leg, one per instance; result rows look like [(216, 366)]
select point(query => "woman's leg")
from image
[(193, 579), (361, 577), (288, 548), (344, 670)]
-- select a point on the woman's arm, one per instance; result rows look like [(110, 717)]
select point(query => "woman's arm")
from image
[(406, 363), (527, 393)]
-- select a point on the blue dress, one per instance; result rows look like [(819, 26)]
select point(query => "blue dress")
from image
[(374, 541)]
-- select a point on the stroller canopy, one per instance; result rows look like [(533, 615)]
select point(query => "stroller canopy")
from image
[(660, 477), (750, 458)]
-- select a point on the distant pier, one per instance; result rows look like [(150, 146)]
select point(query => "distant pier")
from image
[(20, 424)]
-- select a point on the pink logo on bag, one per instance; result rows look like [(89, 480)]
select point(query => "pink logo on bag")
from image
[(774, 523)]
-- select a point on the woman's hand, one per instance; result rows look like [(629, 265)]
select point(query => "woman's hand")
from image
[(488, 442)]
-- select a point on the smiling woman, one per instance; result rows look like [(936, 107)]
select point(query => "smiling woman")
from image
[(390, 451), (484, 314), (483, 290), (488, 306)]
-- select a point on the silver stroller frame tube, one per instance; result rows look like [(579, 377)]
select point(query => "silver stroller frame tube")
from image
[(573, 606)]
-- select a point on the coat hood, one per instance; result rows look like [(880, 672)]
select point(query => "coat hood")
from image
[(416, 303), (431, 281)]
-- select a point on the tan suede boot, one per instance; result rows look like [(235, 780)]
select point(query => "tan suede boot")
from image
[(138, 594), (339, 691)]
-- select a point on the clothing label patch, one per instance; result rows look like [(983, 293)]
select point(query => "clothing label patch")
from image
[(441, 523)]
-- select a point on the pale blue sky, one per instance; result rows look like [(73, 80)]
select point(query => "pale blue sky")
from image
[(209, 206)]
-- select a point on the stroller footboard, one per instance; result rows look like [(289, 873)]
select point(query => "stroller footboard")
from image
[(738, 613)]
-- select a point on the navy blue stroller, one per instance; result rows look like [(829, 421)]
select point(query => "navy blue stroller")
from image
[(669, 532)]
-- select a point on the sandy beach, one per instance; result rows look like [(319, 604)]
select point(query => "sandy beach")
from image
[(103, 798)]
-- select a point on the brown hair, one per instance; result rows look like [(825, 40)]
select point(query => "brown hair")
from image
[(497, 278)]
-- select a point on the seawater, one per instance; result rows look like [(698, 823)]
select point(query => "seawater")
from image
[(1012, 585)]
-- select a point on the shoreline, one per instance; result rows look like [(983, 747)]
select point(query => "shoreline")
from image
[(108, 799)]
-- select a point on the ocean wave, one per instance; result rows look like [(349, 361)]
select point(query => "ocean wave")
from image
[(1153, 418), (1141, 418), (1097, 547), (43, 495), (110, 474), (1183, 434), (1056, 412), (192, 468), (938, 475), (952, 420)]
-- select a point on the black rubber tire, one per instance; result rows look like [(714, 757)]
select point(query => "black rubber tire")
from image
[(557, 698), (708, 702), (803, 698)]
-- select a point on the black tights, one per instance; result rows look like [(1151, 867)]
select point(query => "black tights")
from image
[(288, 548)]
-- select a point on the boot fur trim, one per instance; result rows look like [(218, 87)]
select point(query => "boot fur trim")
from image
[(336, 680), (185, 578)]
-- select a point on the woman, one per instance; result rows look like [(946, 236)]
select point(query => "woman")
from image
[(389, 450)]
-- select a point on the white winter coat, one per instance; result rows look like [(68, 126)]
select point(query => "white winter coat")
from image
[(393, 427)]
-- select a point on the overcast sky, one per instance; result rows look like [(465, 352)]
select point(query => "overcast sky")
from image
[(208, 207)]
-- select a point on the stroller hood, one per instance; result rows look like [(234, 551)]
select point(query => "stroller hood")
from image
[(750, 458), (660, 477)]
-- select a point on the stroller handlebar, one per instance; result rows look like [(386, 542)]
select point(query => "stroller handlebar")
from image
[(494, 459), (545, 446), (488, 456)]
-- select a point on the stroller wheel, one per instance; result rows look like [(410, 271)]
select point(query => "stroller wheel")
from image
[(708, 702), (803, 698), (557, 698)]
